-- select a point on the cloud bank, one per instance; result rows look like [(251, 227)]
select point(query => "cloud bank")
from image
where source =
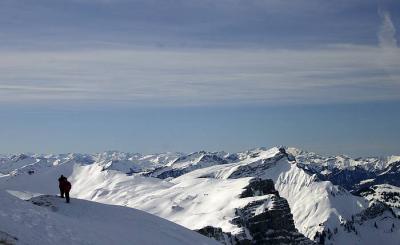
[(338, 74), (196, 52)]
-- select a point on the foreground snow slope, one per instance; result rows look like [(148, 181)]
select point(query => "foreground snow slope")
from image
[(52, 221)]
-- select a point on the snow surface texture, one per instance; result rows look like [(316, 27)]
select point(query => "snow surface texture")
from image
[(49, 220), (204, 188)]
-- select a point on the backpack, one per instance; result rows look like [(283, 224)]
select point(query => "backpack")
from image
[(67, 185)]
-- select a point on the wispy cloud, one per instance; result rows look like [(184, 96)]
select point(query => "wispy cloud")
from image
[(206, 76), (387, 32), (390, 53), (63, 24)]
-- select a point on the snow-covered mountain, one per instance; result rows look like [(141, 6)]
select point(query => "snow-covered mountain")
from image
[(260, 196), (350, 173), (49, 220), (187, 163)]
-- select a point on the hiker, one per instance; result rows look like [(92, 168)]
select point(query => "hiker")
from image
[(60, 185), (65, 187)]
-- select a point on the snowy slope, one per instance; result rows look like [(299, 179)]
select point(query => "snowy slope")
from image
[(51, 221), (194, 203), (387, 194), (134, 162), (11, 163), (188, 163)]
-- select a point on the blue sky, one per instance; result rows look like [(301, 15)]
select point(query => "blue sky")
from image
[(174, 75)]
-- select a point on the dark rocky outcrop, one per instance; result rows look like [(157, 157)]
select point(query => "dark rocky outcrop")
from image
[(257, 168), (161, 173), (265, 221), (217, 234), (203, 159), (274, 225), (259, 187)]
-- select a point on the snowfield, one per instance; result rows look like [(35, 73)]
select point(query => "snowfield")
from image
[(49, 220)]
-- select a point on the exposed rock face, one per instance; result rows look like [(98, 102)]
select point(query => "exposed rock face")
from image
[(172, 173), (268, 221), (259, 187), (186, 164), (219, 235), (265, 221), (272, 226), (257, 168)]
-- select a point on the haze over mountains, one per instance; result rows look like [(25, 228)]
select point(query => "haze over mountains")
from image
[(280, 195)]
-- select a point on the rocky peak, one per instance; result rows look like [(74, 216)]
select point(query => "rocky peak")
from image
[(269, 220)]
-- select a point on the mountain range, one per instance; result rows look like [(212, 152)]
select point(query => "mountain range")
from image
[(280, 195)]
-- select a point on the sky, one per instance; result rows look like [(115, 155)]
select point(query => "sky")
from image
[(187, 75)]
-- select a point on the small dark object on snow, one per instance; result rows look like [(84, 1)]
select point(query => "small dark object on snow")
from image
[(65, 187)]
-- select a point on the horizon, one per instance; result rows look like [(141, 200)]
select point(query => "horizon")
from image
[(188, 153)]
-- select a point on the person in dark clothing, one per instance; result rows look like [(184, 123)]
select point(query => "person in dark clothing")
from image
[(60, 185), (67, 188)]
